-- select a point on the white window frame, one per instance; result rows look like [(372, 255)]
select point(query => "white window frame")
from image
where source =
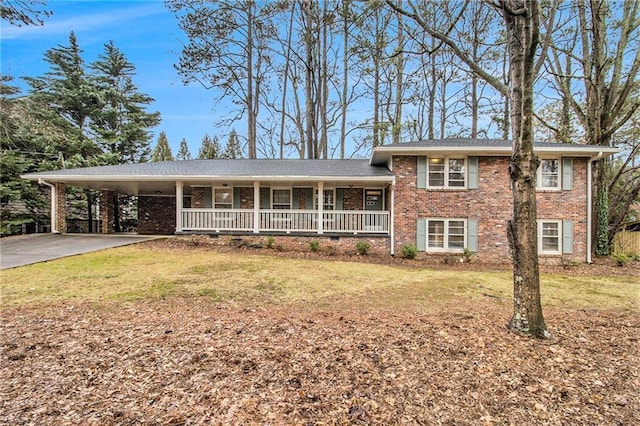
[(445, 248), (539, 180), (273, 190), (541, 223), (213, 197), (447, 170)]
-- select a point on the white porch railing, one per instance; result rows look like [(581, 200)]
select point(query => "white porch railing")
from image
[(289, 221), (217, 220)]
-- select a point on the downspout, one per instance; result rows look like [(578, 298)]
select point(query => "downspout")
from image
[(391, 219), (589, 203), (54, 205)]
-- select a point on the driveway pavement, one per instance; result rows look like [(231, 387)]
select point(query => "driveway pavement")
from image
[(33, 248)]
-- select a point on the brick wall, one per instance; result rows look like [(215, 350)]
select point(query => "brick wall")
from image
[(197, 197), (61, 207), (353, 198), (246, 198), (106, 212), (156, 215), (491, 204)]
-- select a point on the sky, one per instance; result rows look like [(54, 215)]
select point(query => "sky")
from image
[(149, 37)]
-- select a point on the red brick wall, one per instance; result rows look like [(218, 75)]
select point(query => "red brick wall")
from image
[(156, 215), (353, 199), (491, 204), (106, 212), (246, 198)]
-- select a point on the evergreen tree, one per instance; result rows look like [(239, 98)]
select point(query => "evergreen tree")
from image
[(163, 150), (210, 148), (121, 123), (233, 149), (183, 152)]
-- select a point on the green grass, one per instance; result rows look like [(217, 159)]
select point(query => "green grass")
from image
[(138, 273)]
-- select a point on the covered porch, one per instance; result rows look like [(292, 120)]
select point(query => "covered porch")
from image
[(283, 208)]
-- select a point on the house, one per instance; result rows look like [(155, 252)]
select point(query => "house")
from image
[(443, 196)]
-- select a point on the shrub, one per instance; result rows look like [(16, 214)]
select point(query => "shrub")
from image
[(409, 251), (363, 247), (270, 242), (314, 245), (467, 255), (621, 259)]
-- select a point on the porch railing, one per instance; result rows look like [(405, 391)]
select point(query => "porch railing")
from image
[(289, 221)]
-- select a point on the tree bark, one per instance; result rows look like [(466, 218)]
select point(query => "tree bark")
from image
[(522, 23)]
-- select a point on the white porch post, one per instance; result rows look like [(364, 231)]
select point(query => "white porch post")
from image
[(179, 205), (392, 218), (256, 207), (320, 207)]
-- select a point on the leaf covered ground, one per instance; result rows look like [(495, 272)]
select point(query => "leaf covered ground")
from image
[(346, 358), (195, 362)]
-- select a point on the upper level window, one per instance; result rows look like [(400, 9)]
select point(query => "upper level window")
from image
[(281, 199), (446, 172), (223, 198), (548, 176)]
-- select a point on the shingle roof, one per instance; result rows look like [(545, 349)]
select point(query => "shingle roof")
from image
[(260, 168)]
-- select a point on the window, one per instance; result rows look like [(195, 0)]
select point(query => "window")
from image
[(281, 199), (328, 199), (223, 198), (446, 172), (445, 234), (548, 176), (549, 236)]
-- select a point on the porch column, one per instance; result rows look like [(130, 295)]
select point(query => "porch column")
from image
[(179, 205), (392, 218), (106, 211), (61, 208), (256, 207), (320, 207)]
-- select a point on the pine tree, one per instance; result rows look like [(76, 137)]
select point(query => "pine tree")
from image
[(210, 148), (121, 122), (233, 149), (183, 152), (163, 150)]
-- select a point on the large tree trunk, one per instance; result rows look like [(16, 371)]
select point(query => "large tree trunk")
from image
[(521, 18)]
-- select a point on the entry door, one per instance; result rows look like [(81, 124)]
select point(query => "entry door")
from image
[(374, 199)]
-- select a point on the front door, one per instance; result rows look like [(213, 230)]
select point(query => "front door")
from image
[(374, 199)]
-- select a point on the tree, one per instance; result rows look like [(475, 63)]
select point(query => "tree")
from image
[(227, 44), (521, 21), (24, 12), (183, 151), (162, 152), (121, 122), (233, 149), (210, 148)]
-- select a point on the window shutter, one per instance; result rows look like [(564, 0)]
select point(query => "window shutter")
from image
[(421, 237), (567, 237), (472, 235), (422, 172), (265, 197), (473, 173), (567, 173), (236, 198), (208, 197), (309, 196), (295, 201), (339, 199)]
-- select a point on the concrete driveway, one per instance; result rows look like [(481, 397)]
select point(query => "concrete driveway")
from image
[(33, 248)]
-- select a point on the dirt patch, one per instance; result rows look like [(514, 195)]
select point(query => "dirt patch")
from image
[(195, 362)]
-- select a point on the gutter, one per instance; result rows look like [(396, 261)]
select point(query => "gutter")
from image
[(54, 205), (589, 202)]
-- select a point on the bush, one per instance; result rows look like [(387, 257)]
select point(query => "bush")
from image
[(314, 245), (409, 251), (270, 242), (622, 259), (467, 255), (363, 247)]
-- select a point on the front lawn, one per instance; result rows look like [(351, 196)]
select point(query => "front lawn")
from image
[(158, 335)]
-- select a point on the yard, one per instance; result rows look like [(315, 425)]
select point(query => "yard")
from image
[(163, 333)]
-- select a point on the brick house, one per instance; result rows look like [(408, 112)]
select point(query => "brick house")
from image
[(443, 196)]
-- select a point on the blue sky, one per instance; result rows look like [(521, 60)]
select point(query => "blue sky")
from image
[(148, 35)]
